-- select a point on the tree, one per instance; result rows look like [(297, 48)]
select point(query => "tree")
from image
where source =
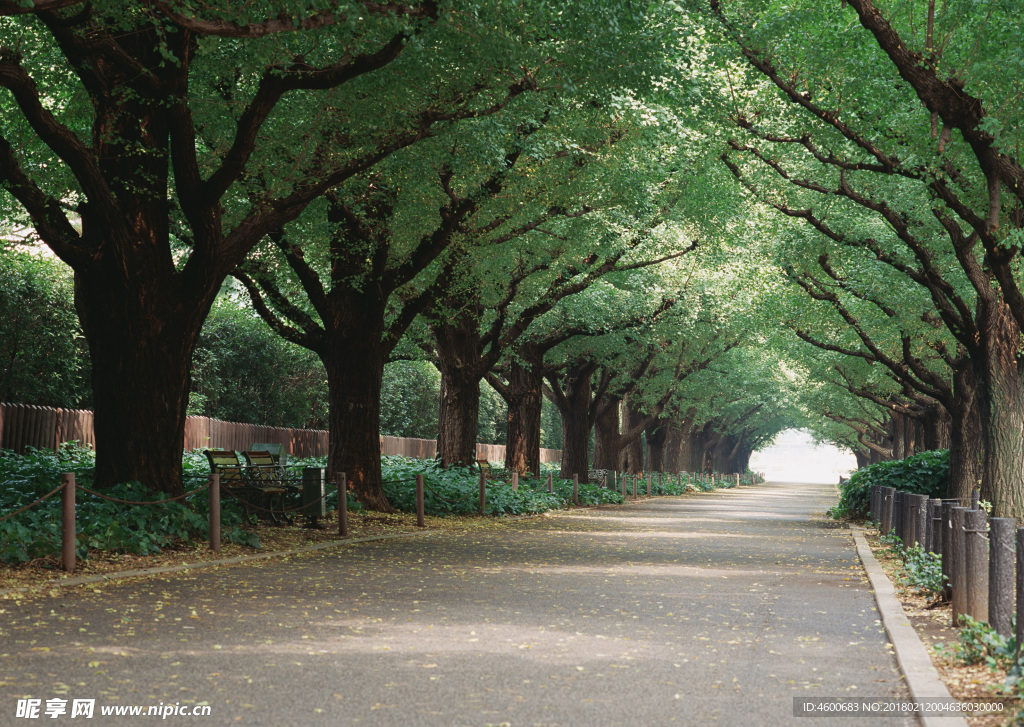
[(158, 127)]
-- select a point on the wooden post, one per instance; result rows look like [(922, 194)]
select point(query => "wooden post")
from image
[(976, 564), (634, 486), (483, 492), (956, 547), (419, 502), (68, 530), (342, 504), (648, 484), (1000, 574), (919, 504), (624, 478), (551, 483), (576, 489), (947, 547), (214, 495), (1020, 592), (604, 482)]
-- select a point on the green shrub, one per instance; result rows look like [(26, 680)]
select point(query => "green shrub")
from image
[(924, 571), (101, 524), (926, 473)]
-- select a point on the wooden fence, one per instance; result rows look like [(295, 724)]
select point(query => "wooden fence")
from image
[(44, 427)]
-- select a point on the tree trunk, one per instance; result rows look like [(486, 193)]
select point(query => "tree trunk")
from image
[(525, 400), (354, 357), (458, 359), (863, 457), (673, 447), (656, 435), (1002, 411), (607, 438), (896, 433), (141, 336), (966, 445), (632, 449), (575, 410)]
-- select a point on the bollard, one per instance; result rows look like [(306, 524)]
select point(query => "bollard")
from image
[(1000, 574), (624, 478), (551, 483), (483, 492), (342, 479), (634, 486), (956, 564), (921, 520), (907, 517), (515, 482), (887, 493), (214, 495), (946, 554), (604, 482), (68, 530), (934, 531), (976, 564), (419, 502), (1019, 634), (648, 484), (873, 502), (576, 489)]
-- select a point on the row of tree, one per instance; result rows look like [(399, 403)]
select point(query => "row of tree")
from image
[(689, 225)]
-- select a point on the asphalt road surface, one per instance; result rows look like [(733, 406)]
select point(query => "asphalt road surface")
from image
[(716, 608)]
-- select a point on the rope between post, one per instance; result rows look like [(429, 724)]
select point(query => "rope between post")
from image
[(136, 502), (51, 493)]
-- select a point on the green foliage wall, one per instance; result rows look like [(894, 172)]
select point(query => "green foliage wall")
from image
[(243, 372), (926, 473), (43, 357)]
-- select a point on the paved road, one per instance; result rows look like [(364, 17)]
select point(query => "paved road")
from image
[(709, 609)]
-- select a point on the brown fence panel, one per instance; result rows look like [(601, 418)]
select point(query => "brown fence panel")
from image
[(550, 455), (3, 417), (17, 432)]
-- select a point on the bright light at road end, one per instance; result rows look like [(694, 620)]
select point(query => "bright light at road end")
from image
[(795, 458)]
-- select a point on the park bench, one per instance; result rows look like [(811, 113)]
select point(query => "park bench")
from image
[(258, 485)]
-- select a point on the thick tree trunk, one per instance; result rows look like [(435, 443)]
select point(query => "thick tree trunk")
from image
[(141, 343), (576, 421), (1002, 411), (607, 439), (458, 357), (673, 448), (525, 400), (632, 448), (896, 433), (656, 435), (354, 358), (966, 445), (863, 457)]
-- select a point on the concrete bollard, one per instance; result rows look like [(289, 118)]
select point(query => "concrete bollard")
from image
[(976, 564), (934, 529), (887, 494), (213, 493), (956, 564), (920, 520), (946, 554), (69, 532), (1019, 635), (1001, 574)]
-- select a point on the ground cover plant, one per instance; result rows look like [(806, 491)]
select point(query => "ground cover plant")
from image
[(926, 473), (114, 527), (101, 524)]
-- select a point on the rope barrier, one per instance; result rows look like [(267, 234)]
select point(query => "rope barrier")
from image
[(273, 511), (51, 493), (137, 502)]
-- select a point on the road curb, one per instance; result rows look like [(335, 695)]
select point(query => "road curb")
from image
[(142, 572), (920, 674)]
